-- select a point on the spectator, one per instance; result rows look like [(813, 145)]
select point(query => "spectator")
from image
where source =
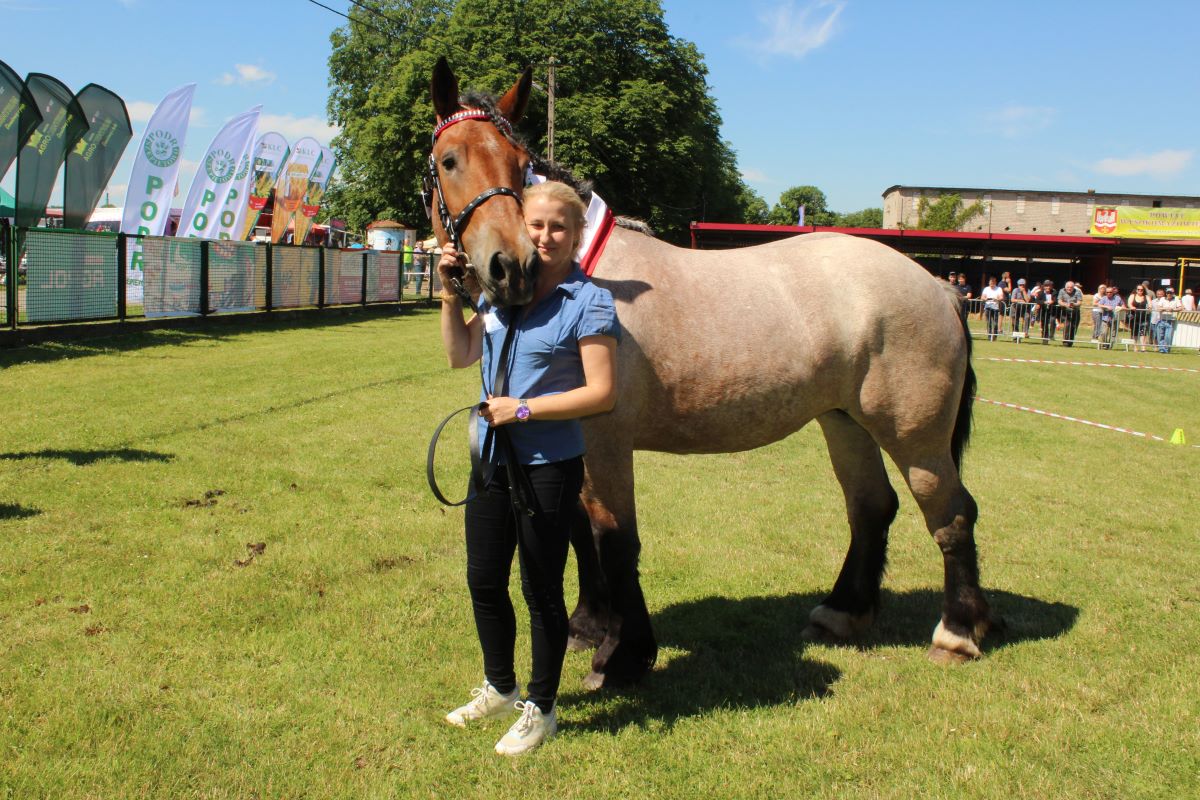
[(1070, 298), (1020, 310), (1096, 313), (964, 288), (952, 278), (1164, 328), (992, 296), (1046, 305), (1109, 305), (1139, 316), (419, 264), (1189, 300)]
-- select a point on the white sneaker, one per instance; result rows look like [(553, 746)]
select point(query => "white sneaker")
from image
[(529, 731), (485, 702)]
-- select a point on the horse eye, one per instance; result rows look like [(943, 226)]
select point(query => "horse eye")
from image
[(448, 163)]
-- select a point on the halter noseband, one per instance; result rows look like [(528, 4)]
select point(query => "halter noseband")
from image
[(455, 225)]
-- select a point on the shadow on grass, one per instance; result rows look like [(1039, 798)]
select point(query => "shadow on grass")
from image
[(749, 653), (82, 458), (16, 511)]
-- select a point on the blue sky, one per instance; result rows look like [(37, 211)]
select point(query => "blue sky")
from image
[(852, 96)]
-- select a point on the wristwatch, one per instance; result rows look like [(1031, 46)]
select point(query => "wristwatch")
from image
[(523, 412)]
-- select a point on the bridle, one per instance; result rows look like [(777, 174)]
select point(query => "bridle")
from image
[(455, 225)]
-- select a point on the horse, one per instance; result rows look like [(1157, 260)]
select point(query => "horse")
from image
[(707, 365)]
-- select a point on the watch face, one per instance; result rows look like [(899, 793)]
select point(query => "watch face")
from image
[(522, 412)]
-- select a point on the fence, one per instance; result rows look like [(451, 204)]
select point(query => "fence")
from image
[(1132, 329), (69, 276)]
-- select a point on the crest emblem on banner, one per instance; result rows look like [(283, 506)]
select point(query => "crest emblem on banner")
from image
[(1105, 220), (162, 149), (220, 166)]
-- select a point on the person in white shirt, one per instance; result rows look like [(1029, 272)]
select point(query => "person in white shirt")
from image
[(1096, 312), (992, 296), (1166, 305), (1189, 300)]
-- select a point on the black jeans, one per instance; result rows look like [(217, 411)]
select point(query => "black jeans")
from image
[(541, 542)]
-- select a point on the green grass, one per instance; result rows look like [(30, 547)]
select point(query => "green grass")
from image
[(135, 471)]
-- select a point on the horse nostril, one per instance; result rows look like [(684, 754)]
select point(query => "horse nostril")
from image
[(497, 267)]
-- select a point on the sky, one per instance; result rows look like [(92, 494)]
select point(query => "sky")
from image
[(852, 96)]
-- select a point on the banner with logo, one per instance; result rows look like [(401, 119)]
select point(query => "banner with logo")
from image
[(1139, 222), (94, 158), (314, 193), (152, 180), (207, 199), (235, 198), (39, 160), (292, 185), (269, 156), (18, 116)]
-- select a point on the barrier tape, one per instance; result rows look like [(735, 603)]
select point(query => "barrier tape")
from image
[(1090, 364), (1068, 418)]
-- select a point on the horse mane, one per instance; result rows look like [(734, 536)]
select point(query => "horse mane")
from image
[(543, 166)]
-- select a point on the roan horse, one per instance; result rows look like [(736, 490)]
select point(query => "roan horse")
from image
[(711, 366)]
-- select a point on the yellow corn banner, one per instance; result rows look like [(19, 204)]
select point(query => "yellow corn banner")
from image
[(1138, 222)]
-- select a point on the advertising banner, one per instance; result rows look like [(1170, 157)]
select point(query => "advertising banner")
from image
[(1138, 222), (292, 185), (18, 116), (227, 154), (152, 180), (313, 194), (91, 162), (39, 160), (269, 156)]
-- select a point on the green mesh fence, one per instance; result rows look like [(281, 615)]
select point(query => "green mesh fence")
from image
[(70, 275), (343, 276), (417, 276), (383, 278), (295, 276), (172, 282), (237, 273)]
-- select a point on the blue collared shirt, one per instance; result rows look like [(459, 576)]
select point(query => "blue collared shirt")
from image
[(544, 359)]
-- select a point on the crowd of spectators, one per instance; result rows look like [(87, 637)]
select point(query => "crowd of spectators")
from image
[(1147, 314)]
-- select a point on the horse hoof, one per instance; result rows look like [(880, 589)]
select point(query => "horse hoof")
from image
[(827, 623), (594, 681), (577, 644), (951, 648)]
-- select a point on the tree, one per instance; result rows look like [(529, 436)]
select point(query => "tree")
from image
[(867, 218), (946, 213), (633, 111), (816, 207)]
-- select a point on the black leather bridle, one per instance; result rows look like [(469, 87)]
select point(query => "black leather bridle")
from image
[(454, 225)]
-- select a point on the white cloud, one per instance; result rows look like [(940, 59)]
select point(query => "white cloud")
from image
[(793, 32), (246, 73), (293, 127), (1163, 164), (1015, 121)]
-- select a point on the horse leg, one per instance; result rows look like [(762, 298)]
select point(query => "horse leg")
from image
[(589, 620), (950, 514), (871, 505), (627, 648)]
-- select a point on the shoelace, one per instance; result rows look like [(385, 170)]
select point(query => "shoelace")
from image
[(525, 723)]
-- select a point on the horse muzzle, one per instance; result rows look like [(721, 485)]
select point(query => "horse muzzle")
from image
[(507, 280)]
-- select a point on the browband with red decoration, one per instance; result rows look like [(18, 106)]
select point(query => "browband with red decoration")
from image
[(473, 113)]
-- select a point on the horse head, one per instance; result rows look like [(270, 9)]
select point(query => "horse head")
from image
[(477, 172)]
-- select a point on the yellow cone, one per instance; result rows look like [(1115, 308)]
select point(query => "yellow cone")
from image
[(1177, 437)]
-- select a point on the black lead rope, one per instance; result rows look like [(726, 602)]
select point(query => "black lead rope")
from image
[(483, 464)]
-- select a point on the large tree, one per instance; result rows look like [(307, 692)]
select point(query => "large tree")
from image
[(947, 213), (816, 207), (633, 111)]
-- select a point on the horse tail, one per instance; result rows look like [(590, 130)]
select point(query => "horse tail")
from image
[(962, 422)]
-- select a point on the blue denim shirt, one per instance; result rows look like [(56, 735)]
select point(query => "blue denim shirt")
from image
[(544, 359)]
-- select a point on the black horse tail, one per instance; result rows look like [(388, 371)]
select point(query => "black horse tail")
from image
[(962, 423)]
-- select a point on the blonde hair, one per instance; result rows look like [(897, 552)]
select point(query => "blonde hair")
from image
[(564, 194)]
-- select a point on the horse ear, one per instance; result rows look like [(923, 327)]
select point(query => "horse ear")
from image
[(515, 100), (444, 89)]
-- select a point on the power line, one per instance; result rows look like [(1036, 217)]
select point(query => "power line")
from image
[(391, 22)]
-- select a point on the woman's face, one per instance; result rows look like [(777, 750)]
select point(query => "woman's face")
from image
[(553, 231)]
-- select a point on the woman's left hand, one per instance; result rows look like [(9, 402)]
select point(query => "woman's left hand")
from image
[(500, 410)]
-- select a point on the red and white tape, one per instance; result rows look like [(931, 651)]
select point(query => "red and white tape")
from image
[(1090, 364), (1068, 418)]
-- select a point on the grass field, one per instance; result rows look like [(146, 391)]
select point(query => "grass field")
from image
[(147, 650)]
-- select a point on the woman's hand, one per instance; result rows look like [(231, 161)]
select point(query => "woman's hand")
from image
[(452, 266), (500, 410)]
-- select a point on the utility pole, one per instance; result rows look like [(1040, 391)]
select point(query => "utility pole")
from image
[(550, 107)]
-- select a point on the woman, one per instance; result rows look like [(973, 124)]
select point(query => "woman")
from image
[(1139, 317), (993, 296), (562, 366)]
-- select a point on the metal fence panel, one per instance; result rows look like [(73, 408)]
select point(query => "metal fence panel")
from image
[(295, 277), (235, 270), (388, 277), (343, 276), (172, 276), (71, 275)]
